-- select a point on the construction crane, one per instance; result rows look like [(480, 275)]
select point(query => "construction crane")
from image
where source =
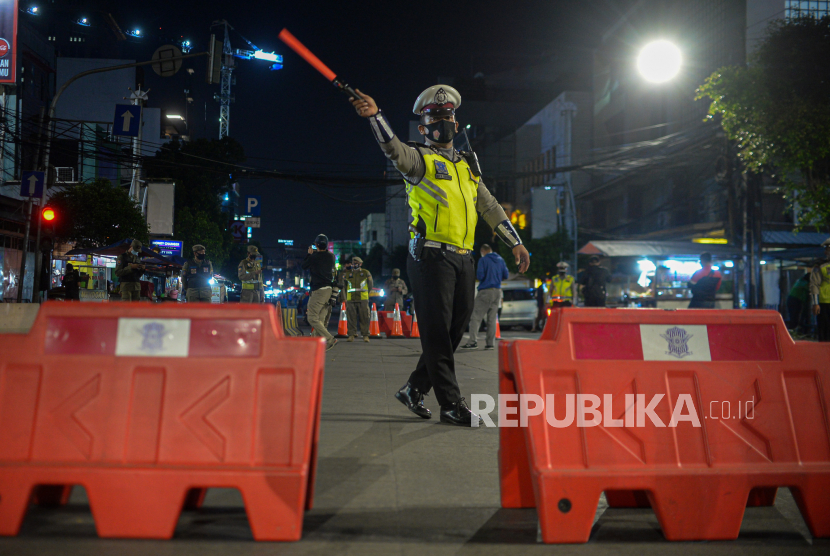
[(225, 98)]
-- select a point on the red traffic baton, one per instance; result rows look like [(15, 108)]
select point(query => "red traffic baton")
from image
[(298, 47)]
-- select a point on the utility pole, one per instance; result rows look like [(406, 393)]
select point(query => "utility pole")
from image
[(138, 98)]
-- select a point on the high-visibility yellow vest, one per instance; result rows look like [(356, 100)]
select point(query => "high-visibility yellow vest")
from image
[(443, 203), (824, 288), (353, 287), (562, 287)]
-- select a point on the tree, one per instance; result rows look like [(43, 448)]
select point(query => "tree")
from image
[(96, 214), (777, 110), (202, 171)]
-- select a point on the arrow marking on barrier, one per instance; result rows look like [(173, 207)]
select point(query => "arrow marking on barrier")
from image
[(755, 439), (68, 422), (624, 436), (195, 418)]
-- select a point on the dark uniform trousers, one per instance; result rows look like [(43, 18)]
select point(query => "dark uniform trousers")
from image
[(823, 322), (443, 284)]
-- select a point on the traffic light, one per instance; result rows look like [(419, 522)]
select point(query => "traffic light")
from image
[(48, 214)]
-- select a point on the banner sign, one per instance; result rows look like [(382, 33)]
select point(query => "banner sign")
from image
[(8, 40)]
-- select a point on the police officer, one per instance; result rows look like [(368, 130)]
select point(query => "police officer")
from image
[(445, 194), (250, 274), (129, 270), (357, 283), (562, 291), (197, 273), (395, 291), (820, 293)]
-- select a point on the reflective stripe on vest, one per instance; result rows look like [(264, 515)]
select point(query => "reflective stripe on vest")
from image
[(444, 202), (824, 288)]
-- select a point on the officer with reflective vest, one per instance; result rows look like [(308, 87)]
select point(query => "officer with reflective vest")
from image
[(197, 274), (445, 194), (820, 293), (562, 287), (250, 274), (357, 283)]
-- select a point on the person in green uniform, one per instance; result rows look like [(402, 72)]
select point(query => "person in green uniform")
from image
[(357, 283), (250, 273), (197, 274), (129, 271), (820, 293)]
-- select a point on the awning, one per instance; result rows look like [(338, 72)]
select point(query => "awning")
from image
[(769, 237), (805, 254), (658, 249)]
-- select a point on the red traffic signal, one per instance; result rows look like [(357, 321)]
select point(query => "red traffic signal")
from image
[(48, 214)]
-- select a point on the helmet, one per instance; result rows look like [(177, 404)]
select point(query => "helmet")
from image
[(562, 265), (321, 239)]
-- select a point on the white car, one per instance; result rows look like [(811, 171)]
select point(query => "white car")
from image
[(518, 305)]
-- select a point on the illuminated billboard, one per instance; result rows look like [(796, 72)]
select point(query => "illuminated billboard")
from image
[(8, 40)]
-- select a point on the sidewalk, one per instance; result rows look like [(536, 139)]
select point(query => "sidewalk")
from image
[(390, 483)]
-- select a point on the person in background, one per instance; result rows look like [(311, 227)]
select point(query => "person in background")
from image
[(249, 272), (541, 308), (705, 284), (798, 305), (592, 283), (130, 270), (562, 291), (198, 273), (71, 282), (490, 273), (820, 293), (320, 263), (357, 283), (396, 290)]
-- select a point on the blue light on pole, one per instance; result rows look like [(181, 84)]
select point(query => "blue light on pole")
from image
[(83, 22), (275, 67), (187, 46), (34, 10), (135, 33)]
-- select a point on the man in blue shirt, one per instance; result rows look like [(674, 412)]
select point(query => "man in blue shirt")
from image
[(490, 273)]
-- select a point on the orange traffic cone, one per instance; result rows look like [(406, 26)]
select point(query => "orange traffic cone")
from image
[(374, 325), (343, 324), (498, 329), (415, 333), (397, 329)]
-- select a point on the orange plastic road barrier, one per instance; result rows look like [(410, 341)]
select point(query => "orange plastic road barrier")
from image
[(396, 331), (415, 333), (142, 403), (343, 323), (374, 326), (762, 403)]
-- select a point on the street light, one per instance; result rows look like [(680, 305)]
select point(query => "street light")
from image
[(83, 22), (34, 10), (659, 61), (135, 33)]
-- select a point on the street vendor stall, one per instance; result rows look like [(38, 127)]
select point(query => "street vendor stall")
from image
[(657, 273)]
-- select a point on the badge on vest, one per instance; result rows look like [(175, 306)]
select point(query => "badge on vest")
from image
[(193, 271), (441, 171)]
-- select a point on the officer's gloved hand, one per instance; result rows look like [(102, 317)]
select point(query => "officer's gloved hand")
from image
[(335, 293)]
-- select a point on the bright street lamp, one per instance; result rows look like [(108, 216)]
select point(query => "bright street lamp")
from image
[(659, 61)]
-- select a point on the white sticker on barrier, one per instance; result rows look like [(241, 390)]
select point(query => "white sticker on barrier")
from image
[(675, 342), (153, 338)]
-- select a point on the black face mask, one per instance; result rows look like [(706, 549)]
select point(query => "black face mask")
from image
[(445, 131), (201, 256), (252, 257)]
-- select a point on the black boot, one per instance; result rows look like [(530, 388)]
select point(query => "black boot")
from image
[(412, 398), (458, 414)]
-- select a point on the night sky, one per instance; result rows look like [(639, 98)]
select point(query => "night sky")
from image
[(293, 119)]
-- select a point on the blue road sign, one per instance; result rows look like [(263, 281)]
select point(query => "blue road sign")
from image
[(31, 184), (127, 120), (252, 204)]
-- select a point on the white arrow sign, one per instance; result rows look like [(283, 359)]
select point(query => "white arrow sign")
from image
[(32, 185), (127, 117)]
